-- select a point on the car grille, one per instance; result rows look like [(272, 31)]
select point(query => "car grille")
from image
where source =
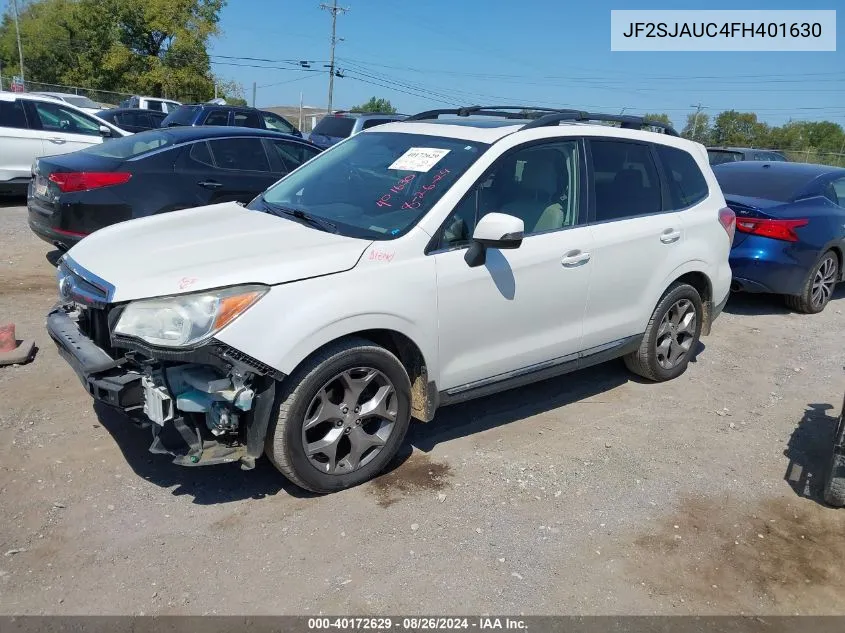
[(92, 295), (80, 286)]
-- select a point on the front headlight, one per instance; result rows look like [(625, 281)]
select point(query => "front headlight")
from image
[(188, 319)]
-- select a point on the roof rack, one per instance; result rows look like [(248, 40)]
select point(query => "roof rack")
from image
[(500, 111), (547, 116)]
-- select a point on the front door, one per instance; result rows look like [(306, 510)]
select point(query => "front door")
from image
[(64, 130), (523, 307)]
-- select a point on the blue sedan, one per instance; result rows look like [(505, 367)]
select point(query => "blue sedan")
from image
[(790, 229)]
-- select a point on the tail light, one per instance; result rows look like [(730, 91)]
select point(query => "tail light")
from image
[(727, 218), (775, 229), (68, 182)]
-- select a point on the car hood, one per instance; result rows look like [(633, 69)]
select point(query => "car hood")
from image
[(210, 247)]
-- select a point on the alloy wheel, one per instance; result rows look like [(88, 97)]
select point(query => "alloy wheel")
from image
[(824, 282), (349, 420), (675, 334)]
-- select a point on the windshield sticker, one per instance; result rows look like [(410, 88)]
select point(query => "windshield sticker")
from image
[(419, 159), (416, 200)]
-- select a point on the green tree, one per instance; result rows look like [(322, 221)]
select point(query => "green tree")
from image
[(376, 105), (660, 118), (156, 47), (739, 128), (698, 128)]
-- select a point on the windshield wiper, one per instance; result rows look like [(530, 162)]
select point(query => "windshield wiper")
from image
[(299, 214)]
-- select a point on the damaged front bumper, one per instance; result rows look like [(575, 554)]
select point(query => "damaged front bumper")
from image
[(214, 401)]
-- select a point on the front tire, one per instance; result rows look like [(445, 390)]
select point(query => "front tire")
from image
[(343, 415), (671, 336), (819, 286)]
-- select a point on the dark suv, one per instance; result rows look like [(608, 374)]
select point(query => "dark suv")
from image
[(335, 127), (212, 114)]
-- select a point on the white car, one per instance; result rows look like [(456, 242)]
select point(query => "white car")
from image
[(80, 101), (150, 103), (34, 126), (414, 265)]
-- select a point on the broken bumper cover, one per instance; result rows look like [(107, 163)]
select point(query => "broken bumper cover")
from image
[(123, 383), (101, 374)]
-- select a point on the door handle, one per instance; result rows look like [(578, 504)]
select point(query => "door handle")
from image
[(575, 258), (210, 184), (670, 235), (57, 139)]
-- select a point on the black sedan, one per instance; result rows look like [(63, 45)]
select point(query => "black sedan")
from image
[(133, 119), (73, 195)]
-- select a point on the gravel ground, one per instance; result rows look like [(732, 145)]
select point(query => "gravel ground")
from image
[(589, 494)]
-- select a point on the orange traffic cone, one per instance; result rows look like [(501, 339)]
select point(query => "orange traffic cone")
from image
[(13, 352)]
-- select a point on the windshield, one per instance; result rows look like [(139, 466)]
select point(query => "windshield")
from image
[(376, 184), (334, 126), (130, 146), (182, 115), (81, 102)]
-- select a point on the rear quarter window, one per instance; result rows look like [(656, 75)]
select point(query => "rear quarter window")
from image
[(687, 185)]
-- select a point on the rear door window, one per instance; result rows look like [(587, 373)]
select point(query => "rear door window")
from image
[(687, 185), (624, 180), (217, 117), (241, 154), (334, 126), (154, 104), (247, 118), (12, 114)]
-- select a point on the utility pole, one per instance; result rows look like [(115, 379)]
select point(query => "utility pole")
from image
[(333, 9), (253, 93), (300, 110), (18, 33), (695, 120)]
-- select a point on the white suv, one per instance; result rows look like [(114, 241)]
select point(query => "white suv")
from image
[(416, 265)]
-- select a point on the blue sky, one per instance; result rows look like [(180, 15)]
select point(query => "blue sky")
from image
[(433, 53)]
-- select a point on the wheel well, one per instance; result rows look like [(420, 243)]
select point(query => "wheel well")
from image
[(701, 283), (836, 251), (423, 393)]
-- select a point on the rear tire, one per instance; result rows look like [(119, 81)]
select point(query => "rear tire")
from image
[(819, 286), (343, 415), (671, 336)]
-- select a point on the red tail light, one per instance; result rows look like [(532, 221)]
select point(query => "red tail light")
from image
[(85, 180), (775, 229), (727, 218)]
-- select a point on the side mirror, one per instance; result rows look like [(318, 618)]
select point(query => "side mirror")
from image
[(105, 131), (494, 230)]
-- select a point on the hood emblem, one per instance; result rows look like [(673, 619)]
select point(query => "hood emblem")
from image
[(66, 288)]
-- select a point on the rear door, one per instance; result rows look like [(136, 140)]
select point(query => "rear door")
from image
[(634, 239), (239, 169), (21, 144), (64, 130)]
